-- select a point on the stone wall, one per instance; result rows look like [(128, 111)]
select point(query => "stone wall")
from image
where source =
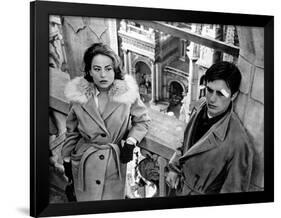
[(250, 102)]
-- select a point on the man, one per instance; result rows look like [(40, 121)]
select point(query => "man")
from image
[(216, 155)]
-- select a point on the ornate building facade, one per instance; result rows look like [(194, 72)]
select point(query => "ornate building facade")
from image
[(158, 62), (166, 67)]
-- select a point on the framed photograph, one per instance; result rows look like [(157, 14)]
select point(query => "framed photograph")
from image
[(141, 109)]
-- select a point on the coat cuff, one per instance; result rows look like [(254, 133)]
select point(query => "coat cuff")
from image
[(173, 164), (132, 140)]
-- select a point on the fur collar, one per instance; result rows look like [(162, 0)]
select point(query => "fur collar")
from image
[(80, 90)]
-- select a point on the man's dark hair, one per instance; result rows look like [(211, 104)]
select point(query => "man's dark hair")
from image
[(225, 71)]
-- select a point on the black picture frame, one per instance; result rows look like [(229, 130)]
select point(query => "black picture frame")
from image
[(39, 95)]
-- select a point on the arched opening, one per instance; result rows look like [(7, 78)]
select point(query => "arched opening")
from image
[(175, 93), (143, 78), (175, 98)]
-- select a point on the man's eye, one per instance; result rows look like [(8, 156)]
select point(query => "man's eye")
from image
[(220, 94), (210, 90)]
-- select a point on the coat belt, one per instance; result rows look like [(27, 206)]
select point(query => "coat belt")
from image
[(92, 149)]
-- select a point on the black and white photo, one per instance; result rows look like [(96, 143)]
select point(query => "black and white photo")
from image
[(148, 109)]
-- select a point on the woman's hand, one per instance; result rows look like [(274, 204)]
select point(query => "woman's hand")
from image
[(172, 179), (126, 153)]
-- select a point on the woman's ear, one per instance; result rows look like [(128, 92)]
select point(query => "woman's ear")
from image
[(234, 96)]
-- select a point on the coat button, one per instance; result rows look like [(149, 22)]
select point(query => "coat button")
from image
[(101, 156), (98, 182), (103, 135)]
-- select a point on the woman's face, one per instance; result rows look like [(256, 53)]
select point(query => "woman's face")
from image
[(102, 71)]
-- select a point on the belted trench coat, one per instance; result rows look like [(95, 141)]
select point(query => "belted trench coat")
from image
[(93, 139), (219, 162)]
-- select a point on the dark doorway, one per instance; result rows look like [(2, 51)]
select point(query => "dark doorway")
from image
[(175, 93), (175, 98), (143, 77)]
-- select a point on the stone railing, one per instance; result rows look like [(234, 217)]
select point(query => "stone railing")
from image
[(141, 31), (193, 37)]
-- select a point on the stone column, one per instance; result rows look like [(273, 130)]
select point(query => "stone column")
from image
[(153, 85), (229, 38), (217, 55), (126, 69), (193, 55), (157, 81), (164, 85), (193, 81), (129, 58), (112, 32)]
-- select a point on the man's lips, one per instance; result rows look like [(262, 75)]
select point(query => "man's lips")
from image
[(211, 106)]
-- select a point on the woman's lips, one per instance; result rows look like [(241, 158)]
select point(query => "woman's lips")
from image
[(103, 81)]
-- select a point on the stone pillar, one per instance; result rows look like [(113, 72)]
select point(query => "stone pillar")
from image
[(162, 162), (153, 85), (230, 39), (193, 82), (164, 86), (157, 81), (129, 58), (112, 33), (125, 54), (193, 55), (217, 55)]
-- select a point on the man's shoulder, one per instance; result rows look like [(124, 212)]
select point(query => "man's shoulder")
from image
[(235, 122), (238, 131)]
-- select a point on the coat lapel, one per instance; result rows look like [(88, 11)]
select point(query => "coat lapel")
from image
[(190, 126), (94, 114), (111, 106), (206, 143), (190, 132)]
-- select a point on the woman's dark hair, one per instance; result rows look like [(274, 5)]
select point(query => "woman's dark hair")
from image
[(100, 48), (225, 71)]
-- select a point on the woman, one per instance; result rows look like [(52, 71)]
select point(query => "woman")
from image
[(107, 119)]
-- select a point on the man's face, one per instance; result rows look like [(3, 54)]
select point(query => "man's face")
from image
[(218, 97)]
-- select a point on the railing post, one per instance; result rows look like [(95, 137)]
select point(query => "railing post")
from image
[(162, 185)]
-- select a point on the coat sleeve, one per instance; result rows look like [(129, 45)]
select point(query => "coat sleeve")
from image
[(72, 134), (140, 120), (239, 171), (174, 164)]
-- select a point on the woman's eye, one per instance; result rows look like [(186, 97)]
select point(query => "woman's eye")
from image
[(96, 69), (108, 69)]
